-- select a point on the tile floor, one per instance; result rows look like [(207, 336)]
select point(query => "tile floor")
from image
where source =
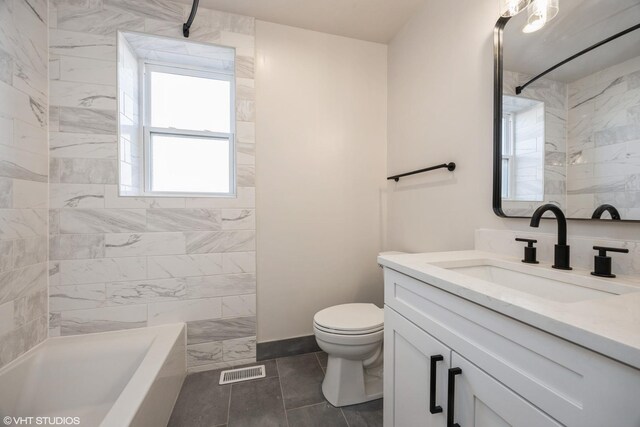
[(290, 395)]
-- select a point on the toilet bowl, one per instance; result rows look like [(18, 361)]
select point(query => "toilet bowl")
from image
[(351, 334)]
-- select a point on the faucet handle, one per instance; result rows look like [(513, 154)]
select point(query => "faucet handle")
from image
[(529, 250), (602, 262)]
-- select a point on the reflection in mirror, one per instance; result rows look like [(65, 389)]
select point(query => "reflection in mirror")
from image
[(572, 136), (522, 149)]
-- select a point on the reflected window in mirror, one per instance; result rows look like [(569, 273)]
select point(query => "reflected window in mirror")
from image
[(523, 146)]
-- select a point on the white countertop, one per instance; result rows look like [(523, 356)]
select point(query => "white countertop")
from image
[(609, 325)]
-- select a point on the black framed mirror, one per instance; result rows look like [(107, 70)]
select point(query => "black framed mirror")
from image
[(567, 110)]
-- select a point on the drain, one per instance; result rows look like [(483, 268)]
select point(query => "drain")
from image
[(242, 374)]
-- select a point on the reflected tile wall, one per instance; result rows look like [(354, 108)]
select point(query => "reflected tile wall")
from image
[(127, 262), (604, 141), (23, 176)]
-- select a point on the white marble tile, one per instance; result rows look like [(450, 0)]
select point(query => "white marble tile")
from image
[(220, 241), (245, 199), (87, 70), (239, 349), (29, 194), (82, 95), (25, 165), (76, 196), (239, 305), (103, 319), (76, 272), (144, 244), (183, 219), (156, 9), (85, 120), (6, 255), (76, 246), (98, 20), (29, 251), (29, 137), (85, 146), (85, 221), (219, 286), (6, 318), (83, 45), (6, 193), (30, 307), (204, 353), (22, 223), (238, 219), (77, 297), (184, 310), (88, 171), (145, 291), (20, 282), (184, 266), (239, 262), (220, 329)]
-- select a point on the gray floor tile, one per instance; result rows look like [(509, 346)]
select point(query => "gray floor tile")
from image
[(322, 358), (301, 378), (321, 415), (257, 403), (202, 402), (367, 414)]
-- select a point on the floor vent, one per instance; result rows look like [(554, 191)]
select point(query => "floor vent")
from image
[(242, 374)]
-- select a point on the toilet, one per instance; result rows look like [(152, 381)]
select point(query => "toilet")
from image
[(352, 335)]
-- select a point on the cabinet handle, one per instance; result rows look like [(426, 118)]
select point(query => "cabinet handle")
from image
[(433, 408), (451, 396)]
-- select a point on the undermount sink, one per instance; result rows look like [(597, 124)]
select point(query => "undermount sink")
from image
[(540, 281)]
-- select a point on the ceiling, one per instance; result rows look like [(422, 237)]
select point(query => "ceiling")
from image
[(372, 20), (579, 24)]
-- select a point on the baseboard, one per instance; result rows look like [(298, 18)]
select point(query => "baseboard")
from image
[(289, 347)]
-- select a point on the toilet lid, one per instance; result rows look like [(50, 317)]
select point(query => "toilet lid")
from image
[(345, 318)]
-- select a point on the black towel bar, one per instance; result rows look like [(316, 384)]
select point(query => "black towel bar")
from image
[(450, 166)]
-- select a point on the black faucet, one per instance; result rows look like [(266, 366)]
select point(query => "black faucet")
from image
[(597, 214), (562, 252)]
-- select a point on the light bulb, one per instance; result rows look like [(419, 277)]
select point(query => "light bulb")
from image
[(512, 7), (540, 12)]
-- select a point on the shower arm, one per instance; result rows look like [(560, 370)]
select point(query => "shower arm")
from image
[(187, 25)]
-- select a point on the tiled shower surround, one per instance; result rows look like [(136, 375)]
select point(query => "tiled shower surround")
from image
[(123, 262), (23, 176), (604, 141)]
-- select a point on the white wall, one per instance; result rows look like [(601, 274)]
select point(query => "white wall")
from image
[(440, 109), (321, 122)]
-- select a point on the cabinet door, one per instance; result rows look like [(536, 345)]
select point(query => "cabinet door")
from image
[(408, 381), (481, 401)]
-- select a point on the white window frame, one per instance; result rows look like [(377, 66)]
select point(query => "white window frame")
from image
[(146, 130), (509, 133)]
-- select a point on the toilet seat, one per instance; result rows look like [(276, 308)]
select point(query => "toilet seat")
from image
[(350, 319)]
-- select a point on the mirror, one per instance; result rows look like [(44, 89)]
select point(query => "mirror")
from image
[(567, 111)]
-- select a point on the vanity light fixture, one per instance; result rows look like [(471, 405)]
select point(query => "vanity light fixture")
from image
[(510, 8), (540, 12)]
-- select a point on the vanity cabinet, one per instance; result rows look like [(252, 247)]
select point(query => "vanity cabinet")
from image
[(511, 374)]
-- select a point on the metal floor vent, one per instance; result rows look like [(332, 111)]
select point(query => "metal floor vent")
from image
[(242, 374)]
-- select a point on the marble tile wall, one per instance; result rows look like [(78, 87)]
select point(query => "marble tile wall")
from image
[(582, 253), (127, 262), (23, 176), (554, 96), (604, 141)]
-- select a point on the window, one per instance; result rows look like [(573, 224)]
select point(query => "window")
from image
[(188, 131), (508, 158)]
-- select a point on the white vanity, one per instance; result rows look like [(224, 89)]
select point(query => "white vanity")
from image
[(481, 340)]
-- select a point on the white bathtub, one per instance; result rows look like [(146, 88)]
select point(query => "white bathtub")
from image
[(124, 378)]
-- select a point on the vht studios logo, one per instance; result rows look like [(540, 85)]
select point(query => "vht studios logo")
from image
[(41, 421)]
